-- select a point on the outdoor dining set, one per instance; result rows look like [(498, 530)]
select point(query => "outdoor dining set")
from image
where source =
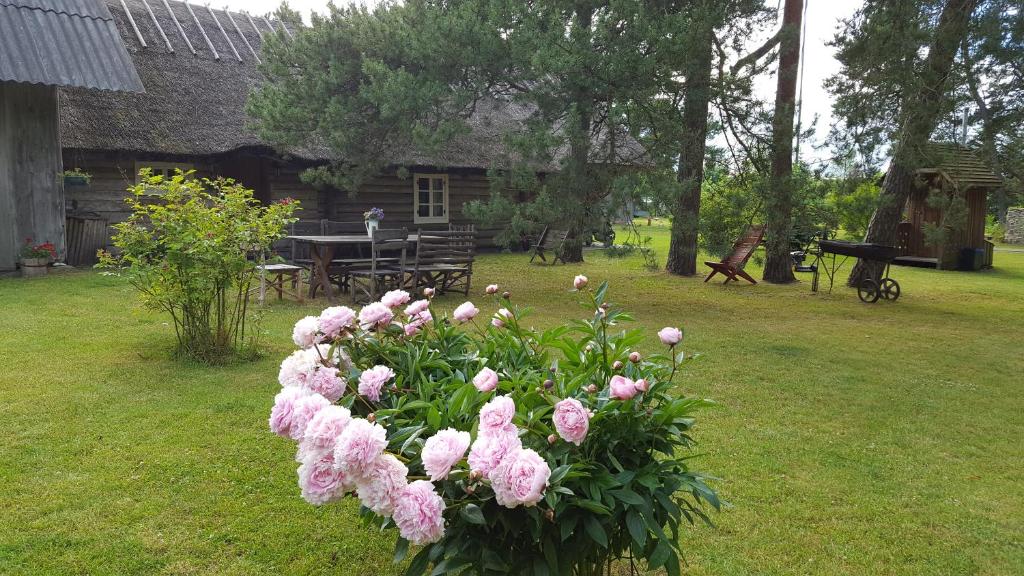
[(333, 258)]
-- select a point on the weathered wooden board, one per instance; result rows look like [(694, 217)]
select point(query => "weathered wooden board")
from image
[(31, 192)]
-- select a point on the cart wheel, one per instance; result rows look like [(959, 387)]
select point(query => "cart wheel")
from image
[(867, 291), (890, 289)]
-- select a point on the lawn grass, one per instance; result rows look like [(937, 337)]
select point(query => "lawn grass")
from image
[(850, 439)]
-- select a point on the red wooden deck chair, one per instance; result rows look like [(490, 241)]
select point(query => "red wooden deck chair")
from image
[(732, 265)]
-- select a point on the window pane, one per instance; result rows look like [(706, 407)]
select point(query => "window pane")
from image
[(438, 210), (424, 210), (438, 197), (423, 183), (424, 197), (438, 183)]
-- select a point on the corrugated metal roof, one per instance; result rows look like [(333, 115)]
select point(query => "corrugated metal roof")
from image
[(64, 43)]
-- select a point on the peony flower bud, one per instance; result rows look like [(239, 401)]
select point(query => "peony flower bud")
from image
[(506, 295), (579, 282), (641, 385), (634, 357), (592, 388), (371, 417), (475, 475), (617, 365), (491, 289), (428, 292), (469, 489), (550, 515), (549, 384), (552, 438)]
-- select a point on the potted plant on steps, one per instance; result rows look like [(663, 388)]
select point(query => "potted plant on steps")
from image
[(76, 177), (372, 218), (35, 258)]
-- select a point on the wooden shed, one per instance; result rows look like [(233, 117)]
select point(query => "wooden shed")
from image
[(199, 65), (951, 172), (45, 44)]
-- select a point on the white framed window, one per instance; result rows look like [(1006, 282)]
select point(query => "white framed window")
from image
[(430, 198), (165, 169)]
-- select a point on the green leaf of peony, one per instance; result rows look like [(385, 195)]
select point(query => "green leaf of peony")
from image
[(636, 527), (596, 531), (472, 514), (401, 549)]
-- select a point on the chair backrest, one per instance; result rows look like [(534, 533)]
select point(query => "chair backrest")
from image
[(745, 246), (449, 248), (543, 236), (298, 251), (554, 239), (389, 243), (334, 227), (468, 229)]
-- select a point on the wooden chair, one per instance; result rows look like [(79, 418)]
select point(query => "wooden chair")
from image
[(351, 257), (295, 252), (386, 267), (282, 278), (732, 265), (444, 260), (549, 241)]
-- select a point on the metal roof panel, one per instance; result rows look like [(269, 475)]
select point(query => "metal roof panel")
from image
[(64, 43)]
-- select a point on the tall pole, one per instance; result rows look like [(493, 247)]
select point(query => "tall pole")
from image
[(778, 264)]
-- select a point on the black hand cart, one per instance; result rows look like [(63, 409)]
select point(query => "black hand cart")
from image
[(869, 290)]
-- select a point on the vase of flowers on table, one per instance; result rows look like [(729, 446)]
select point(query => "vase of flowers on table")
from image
[(36, 257), (372, 218)]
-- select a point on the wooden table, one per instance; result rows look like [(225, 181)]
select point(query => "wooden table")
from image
[(321, 251)]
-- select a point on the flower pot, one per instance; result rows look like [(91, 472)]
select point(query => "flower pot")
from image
[(34, 267), (75, 181), (371, 225)]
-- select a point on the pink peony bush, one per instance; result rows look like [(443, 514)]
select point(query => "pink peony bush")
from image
[(577, 454)]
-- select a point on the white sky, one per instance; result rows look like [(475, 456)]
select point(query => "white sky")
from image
[(819, 60)]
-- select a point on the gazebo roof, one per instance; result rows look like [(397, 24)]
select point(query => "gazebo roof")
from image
[(959, 164)]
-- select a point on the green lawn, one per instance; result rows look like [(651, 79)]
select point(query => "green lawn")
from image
[(851, 439)]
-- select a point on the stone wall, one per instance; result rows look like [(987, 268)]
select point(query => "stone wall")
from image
[(1015, 225)]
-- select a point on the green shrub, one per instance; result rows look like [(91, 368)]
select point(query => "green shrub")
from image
[(187, 247)]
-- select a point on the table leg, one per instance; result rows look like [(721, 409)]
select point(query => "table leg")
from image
[(322, 256)]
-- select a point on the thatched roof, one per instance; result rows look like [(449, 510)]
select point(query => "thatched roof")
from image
[(195, 102), (959, 164)]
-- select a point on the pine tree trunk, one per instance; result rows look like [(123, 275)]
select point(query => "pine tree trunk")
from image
[(921, 114), (580, 144), (682, 252), (778, 266)]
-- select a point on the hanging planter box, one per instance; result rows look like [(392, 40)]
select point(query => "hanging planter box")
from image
[(75, 180)]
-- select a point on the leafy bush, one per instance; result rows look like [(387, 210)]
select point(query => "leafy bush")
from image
[(578, 447), (187, 247), (854, 201)]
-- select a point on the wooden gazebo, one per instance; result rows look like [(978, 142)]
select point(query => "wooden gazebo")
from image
[(956, 171)]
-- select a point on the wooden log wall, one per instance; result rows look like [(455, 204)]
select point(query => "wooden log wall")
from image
[(31, 191)]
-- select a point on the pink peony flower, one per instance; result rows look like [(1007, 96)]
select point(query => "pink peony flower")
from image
[(488, 451), (670, 336), (375, 315), (324, 429), (428, 292), (486, 380), (417, 307), (360, 443), (321, 482), (418, 513), (372, 380), (395, 298), (328, 383), (571, 420), (442, 451), (298, 369), (465, 312), (304, 411), (641, 385), (336, 320), (411, 329), (497, 414), (304, 333), (284, 410), (383, 483), (622, 388), (491, 289), (500, 317), (520, 480), (579, 282)]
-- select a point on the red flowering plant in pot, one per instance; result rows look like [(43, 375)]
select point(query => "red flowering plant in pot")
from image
[(492, 447), (36, 257)]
